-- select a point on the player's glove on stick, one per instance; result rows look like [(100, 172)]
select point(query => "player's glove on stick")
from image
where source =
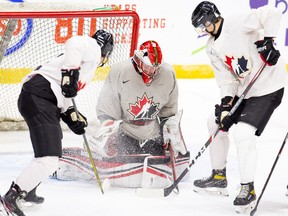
[(69, 82), (221, 113), (267, 51), (75, 124)]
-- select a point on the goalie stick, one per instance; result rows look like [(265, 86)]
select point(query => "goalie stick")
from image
[(173, 166), (163, 192), (89, 151), (272, 169)]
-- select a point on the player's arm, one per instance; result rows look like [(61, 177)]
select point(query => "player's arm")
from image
[(74, 51), (108, 111), (108, 102), (172, 134), (268, 19), (225, 79)]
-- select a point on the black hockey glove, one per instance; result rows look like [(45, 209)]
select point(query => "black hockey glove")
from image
[(75, 124), (221, 113), (69, 82), (267, 51)]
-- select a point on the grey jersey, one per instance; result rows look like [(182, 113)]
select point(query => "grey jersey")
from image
[(126, 97)]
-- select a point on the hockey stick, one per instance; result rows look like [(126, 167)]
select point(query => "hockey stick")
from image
[(163, 192), (269, 176), (172, 157), (6, 38), (89, 151)]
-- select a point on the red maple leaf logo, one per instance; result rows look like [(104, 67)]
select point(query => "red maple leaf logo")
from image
[(144, 108), (229, 62)]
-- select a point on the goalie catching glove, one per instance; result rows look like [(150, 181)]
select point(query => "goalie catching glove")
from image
[(221, 113), (104, 141), (172, 134), (71, 119)]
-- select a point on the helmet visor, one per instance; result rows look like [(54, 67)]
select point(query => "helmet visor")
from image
[(201, 29), (104, 59)]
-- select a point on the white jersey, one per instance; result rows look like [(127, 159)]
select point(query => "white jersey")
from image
[(80, 52), (234, 56), (124, 96)]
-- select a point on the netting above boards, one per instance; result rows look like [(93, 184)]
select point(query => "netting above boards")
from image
[(37, 35)]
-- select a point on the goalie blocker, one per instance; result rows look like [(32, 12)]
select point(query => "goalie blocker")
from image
[(131, 171)]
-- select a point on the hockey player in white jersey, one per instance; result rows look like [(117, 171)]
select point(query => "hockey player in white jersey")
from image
[(44, 99), (237, 47)]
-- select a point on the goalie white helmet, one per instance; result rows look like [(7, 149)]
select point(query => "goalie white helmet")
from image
[(148, 60)]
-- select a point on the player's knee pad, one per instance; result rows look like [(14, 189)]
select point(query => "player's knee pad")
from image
[(244, 133), (211, 124)]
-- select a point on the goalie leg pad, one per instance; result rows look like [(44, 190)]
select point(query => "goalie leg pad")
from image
[(130, 171)]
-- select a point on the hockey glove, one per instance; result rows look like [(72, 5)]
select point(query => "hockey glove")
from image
[(221, 113), (75, 124), (267, 51), (104, 140), (69, 82), (172, 134)]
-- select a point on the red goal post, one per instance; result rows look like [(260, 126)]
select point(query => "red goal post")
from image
[(38, 34)]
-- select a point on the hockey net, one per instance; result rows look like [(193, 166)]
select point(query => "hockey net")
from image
[(32, 34)]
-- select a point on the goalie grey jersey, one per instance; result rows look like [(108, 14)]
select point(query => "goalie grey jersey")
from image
[(234, 56), (80, 52), (124, 96)]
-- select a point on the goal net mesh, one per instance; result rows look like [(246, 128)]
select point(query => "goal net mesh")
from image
[(39, 34)]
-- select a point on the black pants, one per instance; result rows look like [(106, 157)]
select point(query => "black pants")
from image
[(257, 111), (38, 106)]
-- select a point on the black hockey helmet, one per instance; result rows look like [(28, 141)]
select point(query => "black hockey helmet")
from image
[(204, 14), (105, 41)]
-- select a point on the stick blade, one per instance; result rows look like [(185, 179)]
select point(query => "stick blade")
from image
[(147, 192), (253, 211)]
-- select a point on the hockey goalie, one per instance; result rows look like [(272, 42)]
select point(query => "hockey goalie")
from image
[(139, 141)]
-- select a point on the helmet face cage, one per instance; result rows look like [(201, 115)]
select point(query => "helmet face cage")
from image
[(205, 14), (148, 59)]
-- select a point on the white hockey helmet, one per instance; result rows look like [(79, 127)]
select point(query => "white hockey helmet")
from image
[(148, 59)]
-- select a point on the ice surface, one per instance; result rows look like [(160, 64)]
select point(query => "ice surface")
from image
[(197, 98)]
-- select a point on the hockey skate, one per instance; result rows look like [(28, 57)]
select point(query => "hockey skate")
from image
[(3, 210), (31, 199), (246, 199), (11, 199), (214, 184)]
